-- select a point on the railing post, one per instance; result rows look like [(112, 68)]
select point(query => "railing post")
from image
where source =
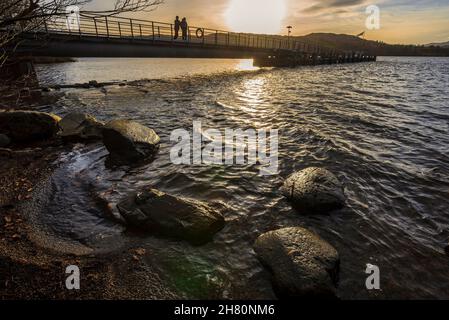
[(171, 33), (68, 26), (159, 32), (119, 29), (238, 41), (227, 40), (140, 30), (107, 26), (216, 37), (96, 28), (132, 31), (152, 28)]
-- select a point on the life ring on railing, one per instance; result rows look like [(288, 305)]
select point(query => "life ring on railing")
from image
[(200, 33)]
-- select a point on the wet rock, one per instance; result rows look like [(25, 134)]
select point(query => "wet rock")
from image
[(314, 190), (94, 83), (129, 141), (80, 126), (301, 263), (446, 250), (4, 140), (28, 125), (166, 215)]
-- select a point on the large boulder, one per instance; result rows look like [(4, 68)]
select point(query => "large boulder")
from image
[(301, 263), (314, 190), (166, 215), (130, 141), (80, 126), (28, 125)]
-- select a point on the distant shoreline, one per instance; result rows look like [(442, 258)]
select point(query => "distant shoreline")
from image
[(54, 60), (50, 60)]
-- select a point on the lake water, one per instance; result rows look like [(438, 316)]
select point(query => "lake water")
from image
[(381, 127)]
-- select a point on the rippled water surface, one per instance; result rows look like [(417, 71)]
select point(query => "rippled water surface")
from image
[(381, 127)]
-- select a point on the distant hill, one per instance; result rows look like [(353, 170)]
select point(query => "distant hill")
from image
[(442, 44), (352, 43)]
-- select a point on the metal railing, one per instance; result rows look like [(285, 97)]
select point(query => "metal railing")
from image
[(126, 28)]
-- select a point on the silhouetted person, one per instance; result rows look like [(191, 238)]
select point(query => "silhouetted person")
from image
[(177, 27), (184, 27)]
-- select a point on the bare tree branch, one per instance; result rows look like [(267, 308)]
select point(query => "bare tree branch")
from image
[(19, 16)]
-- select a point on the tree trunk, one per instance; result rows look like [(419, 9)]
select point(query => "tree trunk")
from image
[(18, 83), (19, 71)]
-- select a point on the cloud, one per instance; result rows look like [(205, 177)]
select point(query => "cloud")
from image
[(332, 6), (403, 21)]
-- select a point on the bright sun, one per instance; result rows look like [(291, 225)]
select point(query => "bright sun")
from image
[(256, 16)]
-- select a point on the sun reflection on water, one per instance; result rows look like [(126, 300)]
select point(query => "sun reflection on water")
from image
[(246, 65), (252, 96)]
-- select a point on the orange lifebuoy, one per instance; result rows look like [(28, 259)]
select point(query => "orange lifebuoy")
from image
[(199, 33)]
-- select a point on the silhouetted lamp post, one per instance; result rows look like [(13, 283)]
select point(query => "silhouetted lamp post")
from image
[(289, 28)]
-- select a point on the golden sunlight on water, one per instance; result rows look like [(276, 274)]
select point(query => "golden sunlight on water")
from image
[(109, 69), (246, 65), (252, 95)]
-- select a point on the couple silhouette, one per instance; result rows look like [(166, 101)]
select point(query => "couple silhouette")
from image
[(181, 24)]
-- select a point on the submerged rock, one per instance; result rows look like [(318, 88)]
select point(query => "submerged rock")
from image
[(301, 263), (196, 277), (166, 215), (4, 140), (130, 141), (28, 125), (80, 126), (315, 190)]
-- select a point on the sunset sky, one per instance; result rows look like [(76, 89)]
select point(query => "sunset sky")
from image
[(402, 21)]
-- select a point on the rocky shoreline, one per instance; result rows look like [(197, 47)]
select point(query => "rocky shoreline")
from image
[(301, 264), (29, 271), (298, 262)]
